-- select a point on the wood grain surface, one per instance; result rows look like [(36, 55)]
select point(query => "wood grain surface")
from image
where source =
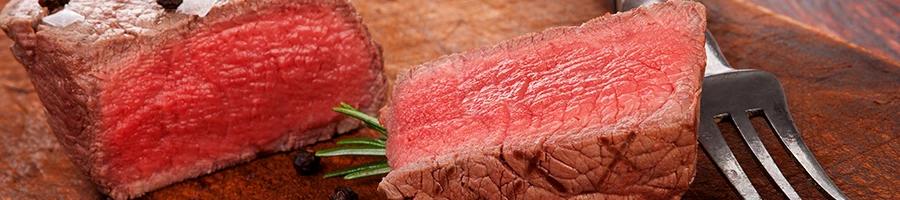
[(843, 98), (871, 24), (844, 101)]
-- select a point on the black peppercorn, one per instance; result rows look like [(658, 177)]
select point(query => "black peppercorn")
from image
[(169, 4), (344, 193), (306, 162), (53, 4)]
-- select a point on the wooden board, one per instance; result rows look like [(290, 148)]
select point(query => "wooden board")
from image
[(843, 99), (871, 24)]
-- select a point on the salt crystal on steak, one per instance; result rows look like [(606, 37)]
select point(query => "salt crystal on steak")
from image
[(196, 7), (63, 18)]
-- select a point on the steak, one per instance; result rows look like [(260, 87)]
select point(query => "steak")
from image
[(141, 97), (605, 110)]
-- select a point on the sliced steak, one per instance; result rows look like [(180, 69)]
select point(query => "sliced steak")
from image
[(141, 97), (605, 110)]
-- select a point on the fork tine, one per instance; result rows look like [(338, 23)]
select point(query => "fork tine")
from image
[(780, 120), (745, 127), (717, 149)]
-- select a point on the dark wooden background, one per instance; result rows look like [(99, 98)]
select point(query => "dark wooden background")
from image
[(871, 24), (843, 98)]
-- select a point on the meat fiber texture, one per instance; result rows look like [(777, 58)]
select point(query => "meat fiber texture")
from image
[(605, 110), (140, 97)]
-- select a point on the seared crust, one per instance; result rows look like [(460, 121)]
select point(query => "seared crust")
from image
[(586, 166)]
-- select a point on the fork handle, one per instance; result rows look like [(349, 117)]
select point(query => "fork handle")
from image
[(715, 61)]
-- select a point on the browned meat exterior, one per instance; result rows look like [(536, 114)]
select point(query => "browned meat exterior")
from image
[(606, 110), (141, 97)]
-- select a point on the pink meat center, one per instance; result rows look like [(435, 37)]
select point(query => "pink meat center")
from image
[(582, 81), (231, 89)]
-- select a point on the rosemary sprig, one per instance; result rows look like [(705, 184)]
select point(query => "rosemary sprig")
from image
[(370, 121), (361, 170), (368, 150), (359, 147), (379, 169), (363, 141)]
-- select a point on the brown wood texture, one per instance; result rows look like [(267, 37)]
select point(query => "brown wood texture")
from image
[(871, 24), (843, 99)]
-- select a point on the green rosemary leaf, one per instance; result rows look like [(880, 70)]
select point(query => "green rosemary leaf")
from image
[(368, 147), (348, 106), (382, 169), (368, 150), (364, 167), (363, 141), (370, 121)]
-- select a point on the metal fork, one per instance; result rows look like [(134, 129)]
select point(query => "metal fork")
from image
[(739, 95)]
